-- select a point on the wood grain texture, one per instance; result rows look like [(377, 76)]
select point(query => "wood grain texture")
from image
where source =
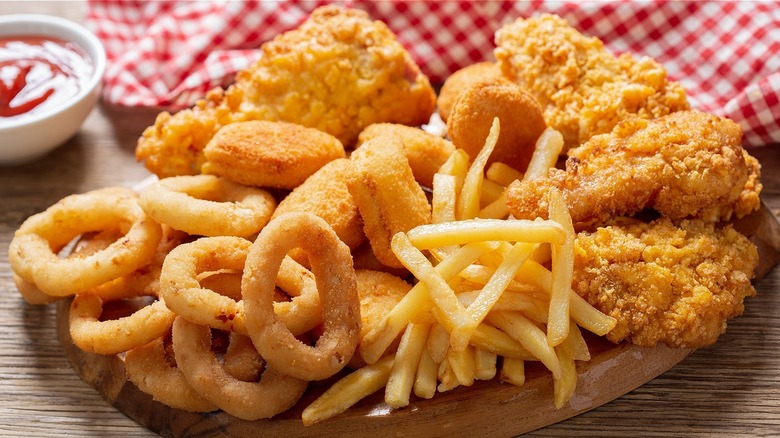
[(729, 389)]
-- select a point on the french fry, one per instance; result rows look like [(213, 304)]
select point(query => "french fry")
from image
[(502, 174), (496, 209), (577, 343), (444, 198), (484, 364), (498, 283), (489, 192), (468, 200), (438, 343), (546, 151), (427, 376), (485, 230), (374, 344), (565, 384), (460, 323), (498, 342), (531, 337), (590, 318), (562, 272), (348, 391), (513, 371), (463, 365), (407, 360), (447, 377), (456, 165)]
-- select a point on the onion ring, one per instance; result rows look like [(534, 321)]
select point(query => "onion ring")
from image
[(208, 205), (241, 360), (186, 296), (33, 250), (149, 368), (331, 264), (274, 393), (92, 335)]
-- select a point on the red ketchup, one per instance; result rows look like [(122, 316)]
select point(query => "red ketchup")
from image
[(38, 73)]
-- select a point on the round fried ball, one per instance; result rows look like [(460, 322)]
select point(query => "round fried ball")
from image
[(460, 80), (521, 119)]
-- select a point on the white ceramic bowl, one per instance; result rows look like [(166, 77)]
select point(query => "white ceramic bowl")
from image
[(26, 138)]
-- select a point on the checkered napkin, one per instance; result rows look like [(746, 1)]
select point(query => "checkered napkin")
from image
[(726, 54)]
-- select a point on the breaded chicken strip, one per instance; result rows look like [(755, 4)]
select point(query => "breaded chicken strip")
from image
[(664, 283), (583, 89), (338, 72), (682, 165)]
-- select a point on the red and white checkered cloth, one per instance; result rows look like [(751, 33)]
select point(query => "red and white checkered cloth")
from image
[(726, 54)]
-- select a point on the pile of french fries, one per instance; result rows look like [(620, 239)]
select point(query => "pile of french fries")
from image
[(485, 301)]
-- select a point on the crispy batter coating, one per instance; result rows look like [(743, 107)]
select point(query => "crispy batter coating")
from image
[(379, 292), (387, 195), (749, 199), (426, 152), (269, 154), (338, 72), (325, 194), (664, 283), (522, 121), (680, 165), (462, 79), (584, 89)]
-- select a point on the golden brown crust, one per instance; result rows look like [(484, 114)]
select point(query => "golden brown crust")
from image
[(269, 154), (338, 72), (426, 152), (325, 194), (664, 283), (680, 165), (584, 89), (462, 79), (387, 195), (520, 116)]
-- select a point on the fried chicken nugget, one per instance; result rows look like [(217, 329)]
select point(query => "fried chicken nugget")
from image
[(664, 283), (681, 165), (387, 195), (583, 89), (379, 292), (426, 152), (522, 121), (462, 79), (325, 194), (269, 154), (338, 72)]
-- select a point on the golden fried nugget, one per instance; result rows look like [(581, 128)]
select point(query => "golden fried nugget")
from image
[(426, 152), (325, 194), (269, 154), (460, 80), (379, 292), (338, 72), (387, 195), (521, 120), (583, 89), (664, 282)]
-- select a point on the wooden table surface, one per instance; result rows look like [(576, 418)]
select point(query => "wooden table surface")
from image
[(731, 388)]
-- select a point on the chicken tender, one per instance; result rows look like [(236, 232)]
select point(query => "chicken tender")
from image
[(680, 165), (426, 152), (325, 194), (269, 154), (462, 79), (664, 283), (338, 72), (388, 197), (379, 292), (583, 89), (522, 121)]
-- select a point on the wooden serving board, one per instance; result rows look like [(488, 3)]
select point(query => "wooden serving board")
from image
[(487, 409)]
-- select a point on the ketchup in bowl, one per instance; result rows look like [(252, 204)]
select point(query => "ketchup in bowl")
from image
[(38, 73)]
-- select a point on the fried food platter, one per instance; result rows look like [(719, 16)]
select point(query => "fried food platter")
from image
[(488, 408)]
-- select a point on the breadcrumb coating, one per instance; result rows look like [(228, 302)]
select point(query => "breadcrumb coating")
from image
[(682, 165), (338, 72), (674, 284), (584, 89)]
